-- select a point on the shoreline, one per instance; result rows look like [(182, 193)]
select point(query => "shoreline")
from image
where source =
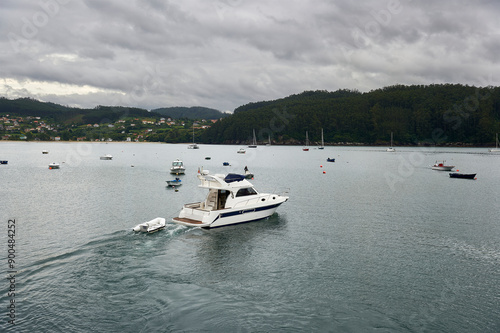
[(446, 145)]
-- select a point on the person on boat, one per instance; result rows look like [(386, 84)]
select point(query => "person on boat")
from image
[(246, 169)]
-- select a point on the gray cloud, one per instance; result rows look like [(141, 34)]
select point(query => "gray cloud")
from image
[(225, 53)]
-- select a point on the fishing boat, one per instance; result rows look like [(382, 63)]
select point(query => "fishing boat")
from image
[(306, 147), (177, 167), (391, 149), (154, 225), (231, 199), (322, 141), (440, 166), (174, 182), (495, 150), (463, 175), (330, 159), (54, 165), (45, 151), (241, 151), (106, 157), (254, 141)]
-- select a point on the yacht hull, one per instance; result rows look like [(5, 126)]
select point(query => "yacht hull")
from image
[(218, 218)]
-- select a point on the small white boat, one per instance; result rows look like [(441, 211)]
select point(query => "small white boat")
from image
[(151, 226), (54, 165), (45, 151), (175, 182), (441, 166), (107, 157), (495, 150), (177, 167), (248, 174), (242, 151), (231, 199)]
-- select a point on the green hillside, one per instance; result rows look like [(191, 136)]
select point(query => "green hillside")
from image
[(434, 114)]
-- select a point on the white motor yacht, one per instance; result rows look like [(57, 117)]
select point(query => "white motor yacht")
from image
[(231, 199), (107, 157), (177, 167)]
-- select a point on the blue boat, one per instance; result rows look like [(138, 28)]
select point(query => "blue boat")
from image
[(175, 182), (4, 162), (463, 175), (330, 159), (225, 163)]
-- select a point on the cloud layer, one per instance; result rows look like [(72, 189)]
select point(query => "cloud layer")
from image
[(225, 53)]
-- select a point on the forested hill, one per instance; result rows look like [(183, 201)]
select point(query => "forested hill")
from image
[(434, 114), (65, 114), (195, 112)]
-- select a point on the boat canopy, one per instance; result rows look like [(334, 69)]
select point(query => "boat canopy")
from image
[(233, 177)]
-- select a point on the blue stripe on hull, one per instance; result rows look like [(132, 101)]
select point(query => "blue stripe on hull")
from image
[(225, 225), (258, 209)]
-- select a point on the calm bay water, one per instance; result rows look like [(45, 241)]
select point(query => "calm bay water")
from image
[(378, 242)]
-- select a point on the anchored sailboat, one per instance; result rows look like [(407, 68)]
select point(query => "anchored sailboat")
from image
[(193, 145), (496, 149), (254, 142), (322, 141), (306, 147), (391, 149)]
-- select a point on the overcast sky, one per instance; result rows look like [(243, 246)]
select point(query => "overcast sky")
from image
[(226, 53)]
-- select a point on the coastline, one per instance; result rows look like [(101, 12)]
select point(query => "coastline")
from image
[(341, 144)]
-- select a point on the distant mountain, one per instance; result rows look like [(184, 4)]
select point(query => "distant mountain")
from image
[(195, 112), (35, 108), (66, 114)]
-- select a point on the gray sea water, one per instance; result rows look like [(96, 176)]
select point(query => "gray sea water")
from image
[(374, 242)]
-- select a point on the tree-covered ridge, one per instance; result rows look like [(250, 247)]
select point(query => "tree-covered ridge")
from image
[(65, 114), (435, 114), (29, 119), (195, 112)]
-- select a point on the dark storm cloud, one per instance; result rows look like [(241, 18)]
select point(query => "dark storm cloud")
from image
[(225, 53)]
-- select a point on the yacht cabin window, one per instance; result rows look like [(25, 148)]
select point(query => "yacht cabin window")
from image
[(245, 191)]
